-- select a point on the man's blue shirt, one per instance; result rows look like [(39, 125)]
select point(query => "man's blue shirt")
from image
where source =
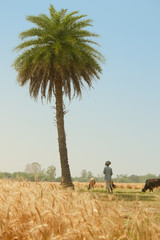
[(108, 173)]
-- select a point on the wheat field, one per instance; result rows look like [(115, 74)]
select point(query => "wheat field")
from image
[(36, 211)]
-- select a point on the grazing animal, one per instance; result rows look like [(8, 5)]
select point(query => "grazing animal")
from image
[(151, 184), (92, 182), (113, 185)]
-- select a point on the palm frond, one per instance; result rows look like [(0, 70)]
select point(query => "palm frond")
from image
[(52, 11), (41, 21), (33, 32), (29, 43)]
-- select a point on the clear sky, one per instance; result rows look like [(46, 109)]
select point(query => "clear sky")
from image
[(118, 120)]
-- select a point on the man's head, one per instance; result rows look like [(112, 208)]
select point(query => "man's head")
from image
[(107, 163)]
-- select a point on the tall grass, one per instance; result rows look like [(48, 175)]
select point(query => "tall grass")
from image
[(36, 211)]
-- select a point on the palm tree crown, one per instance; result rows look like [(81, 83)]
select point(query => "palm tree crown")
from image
[(58, 48)]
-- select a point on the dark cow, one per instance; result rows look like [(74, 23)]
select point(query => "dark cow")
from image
[(150, 184), (92, 182)]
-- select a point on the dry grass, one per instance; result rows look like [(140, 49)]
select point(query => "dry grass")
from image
[(31, 211)]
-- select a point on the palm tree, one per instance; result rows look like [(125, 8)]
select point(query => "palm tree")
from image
[(57, 58)]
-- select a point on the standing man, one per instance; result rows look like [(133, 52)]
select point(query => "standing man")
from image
[(108, 173)]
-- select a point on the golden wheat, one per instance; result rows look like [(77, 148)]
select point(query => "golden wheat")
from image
[(36, 211)]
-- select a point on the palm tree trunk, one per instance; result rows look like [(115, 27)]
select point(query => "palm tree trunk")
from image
[(67, 181)]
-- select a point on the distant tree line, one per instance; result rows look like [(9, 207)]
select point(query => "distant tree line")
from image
[(34, 170), (122, 178), (134, 178)]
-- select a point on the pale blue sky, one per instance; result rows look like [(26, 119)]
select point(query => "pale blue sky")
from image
[(118, 120)]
